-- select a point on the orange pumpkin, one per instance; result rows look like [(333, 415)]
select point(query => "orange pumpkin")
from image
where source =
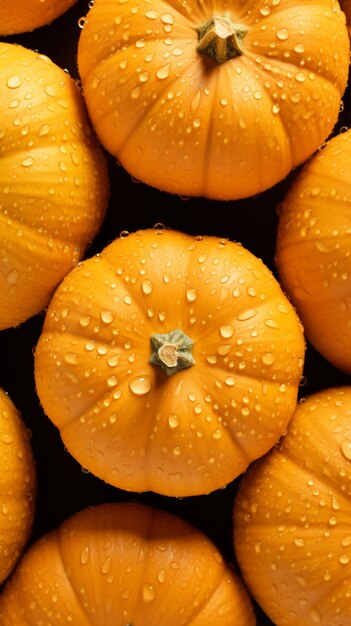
[(313, 250), (20, 16), (169, 362), (292, 517), (125, 564), (17, 485), (53, 181), (214, 99)]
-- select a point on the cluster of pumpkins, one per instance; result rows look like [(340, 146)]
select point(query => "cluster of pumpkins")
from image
[(171, 362)]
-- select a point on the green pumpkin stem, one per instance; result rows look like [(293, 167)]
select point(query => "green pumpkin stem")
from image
[(220, 38), (171, 351)]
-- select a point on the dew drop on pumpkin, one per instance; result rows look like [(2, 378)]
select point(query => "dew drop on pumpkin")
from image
[(173, 422), (14, 81), (140, 385), (146, 287), (85, 555), (268, 358), (344, 559), (346, 448), (226, 331), (191, 294), (163, 72), (27, 162), (6, 438), (149, 592), (315, 616), (282, 34), (106, 317)]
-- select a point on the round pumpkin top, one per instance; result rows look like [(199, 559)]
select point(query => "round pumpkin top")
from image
[(213, 99), (17, 485), (313, 249), (20, 16), (292, 517), (169, 362), (53, 181), (125, 564)]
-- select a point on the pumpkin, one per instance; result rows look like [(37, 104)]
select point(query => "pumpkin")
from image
[(19, 16), (169, 362), (217, 99), (53, 181), (313, 250), (125, 564), (17, 485), (292, 517)]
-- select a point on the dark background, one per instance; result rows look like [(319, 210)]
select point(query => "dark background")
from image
[(63, 487)]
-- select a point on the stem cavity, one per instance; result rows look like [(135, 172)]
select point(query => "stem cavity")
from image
[(220, 38), (171, 351)]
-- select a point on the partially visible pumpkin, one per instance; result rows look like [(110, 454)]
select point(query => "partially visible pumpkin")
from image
[(17, 485), (20, 16), (292, 517), (313, 251), (125, 564), (226, 350), (214, 99), (53, 181)]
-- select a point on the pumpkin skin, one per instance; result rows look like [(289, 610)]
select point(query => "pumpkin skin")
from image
[(179, 121), (292, 517), (125, 564), (20, 16), (17, 485), (122, 417), (53, 181), (313, 250)]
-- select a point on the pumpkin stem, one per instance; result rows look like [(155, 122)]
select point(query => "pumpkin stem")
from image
[(171, 351), (220, 38)]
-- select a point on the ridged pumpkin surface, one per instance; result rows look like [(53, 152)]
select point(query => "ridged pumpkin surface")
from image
[(119, 564), (17, 485), (292, 517), (141, 427), (53, 181), (226, 128), (21, 16)]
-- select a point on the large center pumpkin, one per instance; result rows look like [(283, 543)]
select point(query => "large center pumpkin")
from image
[(169, 362), (213, 98)]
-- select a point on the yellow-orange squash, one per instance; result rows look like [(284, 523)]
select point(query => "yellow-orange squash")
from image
[(53, 181), (20, 16), (292, 517), (226, 351), (125, 564), (17, 485), (213, 98), (313, 252)]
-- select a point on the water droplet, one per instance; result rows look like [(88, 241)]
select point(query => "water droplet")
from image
[(82, 22), (282, 34), (344, 559), (161, 576), (106, 317), (151, 15), (112, 381), (163, 72), (167, 18), (246, 314), (315, 616), (50, 91), (173, 421), (27, 162), (146, 287), (226, 331), (84, 556), (191, 294), (229, 381), (14, 81), (268, 358), (140, 385), (149, 593), (6, 438), (346, 449)]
